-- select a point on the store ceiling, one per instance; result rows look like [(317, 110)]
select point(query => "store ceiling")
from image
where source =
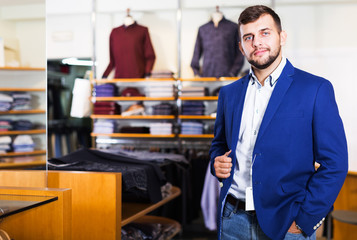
[(19, 2)]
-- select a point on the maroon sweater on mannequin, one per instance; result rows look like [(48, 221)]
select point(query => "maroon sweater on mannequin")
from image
[(131, 52)]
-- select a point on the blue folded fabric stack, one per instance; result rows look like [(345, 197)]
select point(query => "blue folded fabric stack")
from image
[(106, 126), (5, 102), (22, 125), (163, 109), (22, 101), (23, 143), (192, 128), (160, 128), (193, 108), (106, 90)]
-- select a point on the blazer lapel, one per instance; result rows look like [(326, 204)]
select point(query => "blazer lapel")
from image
[(237, 109), (277, 96)]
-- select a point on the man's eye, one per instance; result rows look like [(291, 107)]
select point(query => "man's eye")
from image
[(248, 38), (266, 33)]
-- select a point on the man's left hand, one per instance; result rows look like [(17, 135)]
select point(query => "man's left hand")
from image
[(294, 229)]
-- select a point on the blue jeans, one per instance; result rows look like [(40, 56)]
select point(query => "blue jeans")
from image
[(241, 225)]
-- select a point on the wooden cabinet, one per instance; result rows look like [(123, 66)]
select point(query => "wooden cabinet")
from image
[(97, 208)]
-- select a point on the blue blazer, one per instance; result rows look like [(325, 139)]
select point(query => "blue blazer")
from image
[(301, 126)]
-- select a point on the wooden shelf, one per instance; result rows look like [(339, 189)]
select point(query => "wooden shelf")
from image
[(22, 89), (133, 211), (131, 135), (33, 111), (196, 117), (133, 98), (23, 162), (206, 98), (209, 79), (34, 131), (22, 69), (144, 117), (133, 80), (10, 154), (196, 136)]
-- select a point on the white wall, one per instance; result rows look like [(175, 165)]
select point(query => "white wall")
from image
[(26, 24), (321, 38)]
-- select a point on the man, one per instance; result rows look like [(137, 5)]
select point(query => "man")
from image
[(272, 126)]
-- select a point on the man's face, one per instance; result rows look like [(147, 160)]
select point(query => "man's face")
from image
[(261, 41)]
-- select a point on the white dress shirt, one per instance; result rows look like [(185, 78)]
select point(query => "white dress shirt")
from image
[(255, 103)]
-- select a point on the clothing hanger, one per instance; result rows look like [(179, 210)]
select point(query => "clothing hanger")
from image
[(128, 20), (216, 16)]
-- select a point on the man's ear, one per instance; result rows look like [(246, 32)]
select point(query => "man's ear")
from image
[(241, 48), (283, 36)]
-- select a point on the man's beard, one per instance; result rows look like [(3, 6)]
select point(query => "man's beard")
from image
[(267, 63)]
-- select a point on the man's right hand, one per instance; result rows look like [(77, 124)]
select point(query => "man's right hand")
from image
[(222, 165)]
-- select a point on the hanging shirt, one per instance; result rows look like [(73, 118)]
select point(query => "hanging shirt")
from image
[(219, 48), (131, 52)]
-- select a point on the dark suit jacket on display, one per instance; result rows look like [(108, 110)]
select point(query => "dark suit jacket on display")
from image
[(301, 126)]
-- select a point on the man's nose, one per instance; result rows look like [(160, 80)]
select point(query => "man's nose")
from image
[(257, 41)]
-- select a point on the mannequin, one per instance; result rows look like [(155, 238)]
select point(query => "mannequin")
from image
[(216, 16), (128, 20)]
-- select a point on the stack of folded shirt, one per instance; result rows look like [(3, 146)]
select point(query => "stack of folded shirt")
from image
[(23, 143), (191, 128), (106, 126), (163, 109), (193, 91), (193, 108), (22, 101), (129, 129), (5, 125), (162, 74), (160, 128), (106, 90), (22, 125), (5, 144), (131, 92), (135, 109), (5, 102), (106, 108), (160, 90)]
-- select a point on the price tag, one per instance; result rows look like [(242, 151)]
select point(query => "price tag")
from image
[(249, 202)]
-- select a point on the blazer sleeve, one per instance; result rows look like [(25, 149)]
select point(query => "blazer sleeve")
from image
[(197, 53), (330, 150), (149, 53), (239, 58), (111, 57), (219, 144)]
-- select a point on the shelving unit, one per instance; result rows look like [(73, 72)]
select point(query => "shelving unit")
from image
[(31, 80), (176, 119), (138, 83)]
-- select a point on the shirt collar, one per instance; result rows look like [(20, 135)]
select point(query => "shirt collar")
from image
[(273, 77)]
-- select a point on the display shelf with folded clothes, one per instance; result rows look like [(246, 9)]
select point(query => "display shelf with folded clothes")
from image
[(133, 98), (15, 112), (137, 117), (209, 79), (132, 135), (35, 152), (205, 98), (118, 80)]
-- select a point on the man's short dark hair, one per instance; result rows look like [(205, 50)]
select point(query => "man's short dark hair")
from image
[(251, 14)]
